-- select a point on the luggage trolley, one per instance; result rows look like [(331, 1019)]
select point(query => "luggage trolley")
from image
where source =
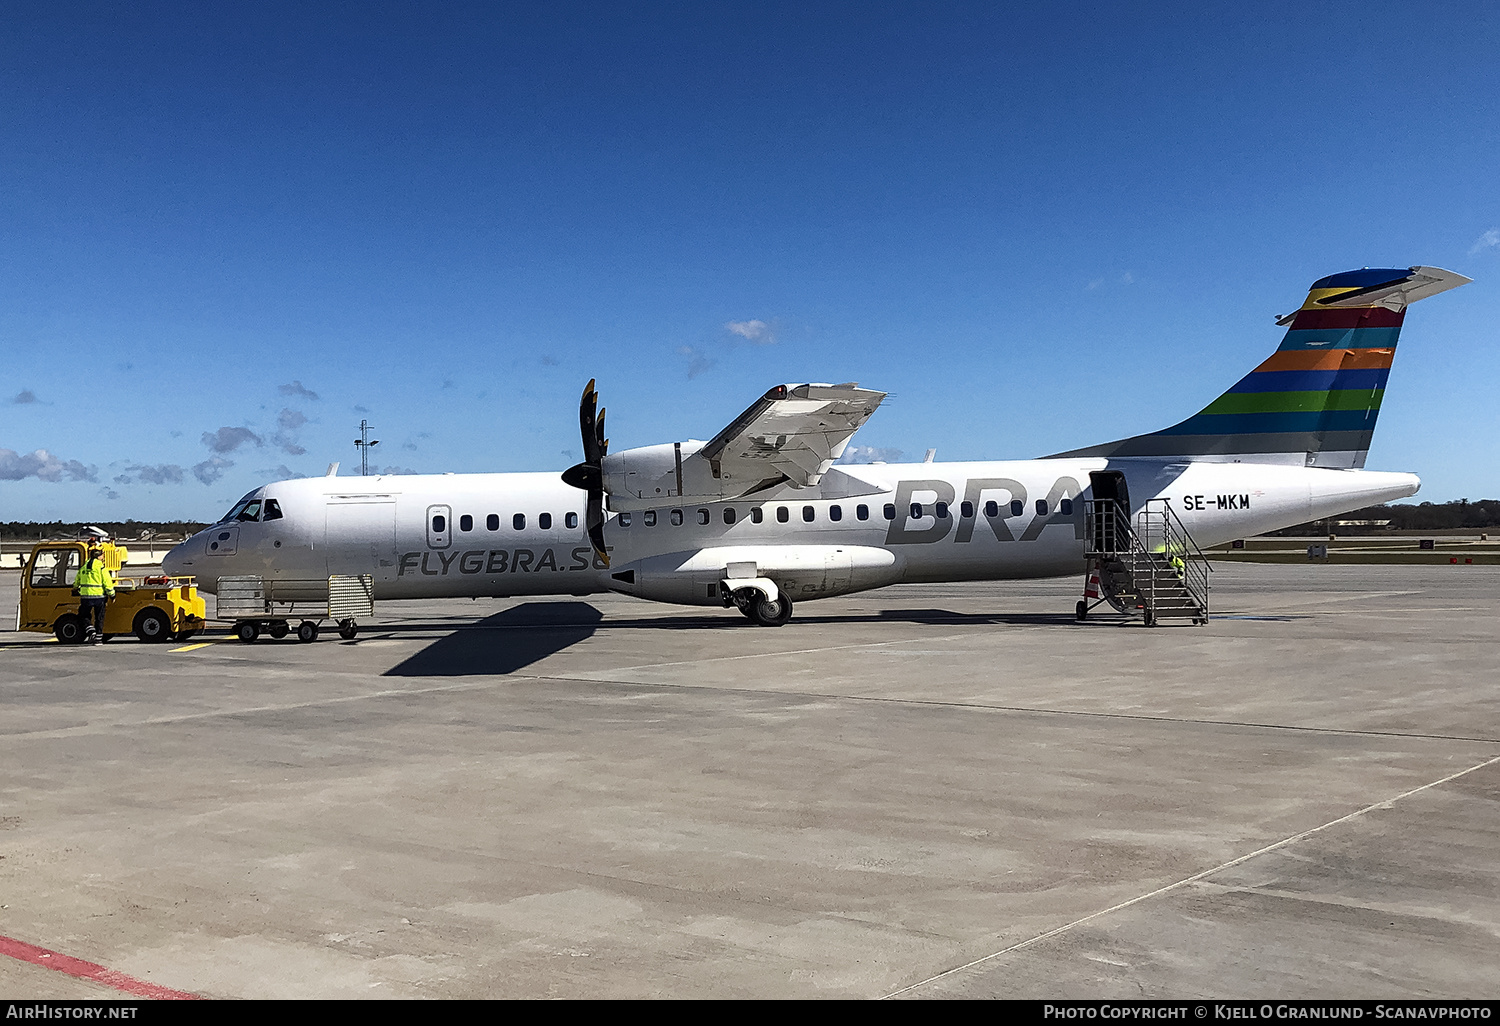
[(252, 602)]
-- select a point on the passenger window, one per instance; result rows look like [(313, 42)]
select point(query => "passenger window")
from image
[(55, 568), (466, 523), (782, 515), (862, 512), (916, 511), (1017, 507), (1041, 507), (942, 511), (728, 514), (757, 514), (835, 513), (992, 509), (544, 521), (272, 511), (890, 511), (649, 518), (624, 519), (966, 510), (518, 521), (571, 520), (677, 518), (807, 514), (492, 522), (1065, 507), (439, 523), (703, 516)]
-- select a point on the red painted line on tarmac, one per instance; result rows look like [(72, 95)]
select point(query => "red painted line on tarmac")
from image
[(89, 971)]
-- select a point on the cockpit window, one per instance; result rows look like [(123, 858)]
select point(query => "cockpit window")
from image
[(272, 510), (239, 507), (250, 512)]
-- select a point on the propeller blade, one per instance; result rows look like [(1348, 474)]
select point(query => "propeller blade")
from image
[(596, 525), (588, 423), (589, 475)]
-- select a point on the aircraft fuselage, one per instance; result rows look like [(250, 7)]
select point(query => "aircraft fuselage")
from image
[(863, 526)]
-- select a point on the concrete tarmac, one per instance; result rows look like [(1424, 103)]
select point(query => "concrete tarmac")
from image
[(935, 791)]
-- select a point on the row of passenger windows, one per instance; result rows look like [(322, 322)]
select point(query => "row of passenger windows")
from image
[(940, 510), (492, 522)]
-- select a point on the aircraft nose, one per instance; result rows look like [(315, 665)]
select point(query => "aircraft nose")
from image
[(179, 561)]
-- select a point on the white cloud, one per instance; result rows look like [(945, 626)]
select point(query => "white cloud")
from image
[(870, 454), (759, 332), (164, 473), (287, 423), (211, 469), (1489, 240), (295, 388), (228, 439), (43, 466), (698, 362)]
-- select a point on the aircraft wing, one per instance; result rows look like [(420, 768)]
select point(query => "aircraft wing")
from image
[(793, 431)]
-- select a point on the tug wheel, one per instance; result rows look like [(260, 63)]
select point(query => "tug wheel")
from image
[(69, 629)]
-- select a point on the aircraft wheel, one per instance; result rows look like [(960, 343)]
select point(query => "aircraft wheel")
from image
[(307, 631), (1081, 611), (69, 629), (348, 629), (771, 614), (152, 625), (247, 631), (279, 629)]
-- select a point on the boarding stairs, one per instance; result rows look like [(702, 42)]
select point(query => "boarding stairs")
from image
[(1150, 563)]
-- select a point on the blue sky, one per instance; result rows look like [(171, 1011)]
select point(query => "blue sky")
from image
[(229, 233)]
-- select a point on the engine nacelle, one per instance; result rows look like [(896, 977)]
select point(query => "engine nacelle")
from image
[(802, 572), (657, 475)]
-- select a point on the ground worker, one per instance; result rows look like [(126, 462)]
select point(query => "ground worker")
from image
[(95, 586)]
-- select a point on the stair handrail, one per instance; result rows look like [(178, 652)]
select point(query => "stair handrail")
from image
[(1176, 542)]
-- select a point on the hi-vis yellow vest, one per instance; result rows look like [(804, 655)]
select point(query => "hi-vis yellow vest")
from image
[(94, 580)]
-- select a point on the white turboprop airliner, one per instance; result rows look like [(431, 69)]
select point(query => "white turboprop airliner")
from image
[(760, 516)]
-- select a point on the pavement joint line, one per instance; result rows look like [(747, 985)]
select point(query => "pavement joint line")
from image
[(501, 680), (1284, 842), (1020, 709), (77, 967)]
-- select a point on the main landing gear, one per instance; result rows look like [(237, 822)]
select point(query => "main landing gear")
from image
[(762, 611)]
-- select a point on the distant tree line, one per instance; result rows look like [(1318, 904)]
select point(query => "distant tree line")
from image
[(1461, 515), (124, 530)]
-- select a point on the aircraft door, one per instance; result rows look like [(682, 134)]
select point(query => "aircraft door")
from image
[(1109, 486), (439, 527), (360, 538)]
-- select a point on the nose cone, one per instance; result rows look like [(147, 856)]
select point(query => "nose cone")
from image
[(179, 562)]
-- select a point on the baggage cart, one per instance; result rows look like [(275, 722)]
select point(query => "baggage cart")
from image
[(256, 605)]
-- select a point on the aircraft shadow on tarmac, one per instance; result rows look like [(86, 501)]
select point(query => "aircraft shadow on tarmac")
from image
[(506, 642), (515, 638)]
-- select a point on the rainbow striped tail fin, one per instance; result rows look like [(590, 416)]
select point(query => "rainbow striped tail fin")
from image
[(1314, 402)]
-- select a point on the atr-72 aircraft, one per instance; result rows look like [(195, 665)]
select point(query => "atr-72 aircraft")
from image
[(760, 516)]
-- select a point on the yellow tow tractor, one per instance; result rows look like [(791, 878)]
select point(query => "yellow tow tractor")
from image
[(157, 608)]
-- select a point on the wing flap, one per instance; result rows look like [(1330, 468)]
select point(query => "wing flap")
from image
[(795, 431)]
